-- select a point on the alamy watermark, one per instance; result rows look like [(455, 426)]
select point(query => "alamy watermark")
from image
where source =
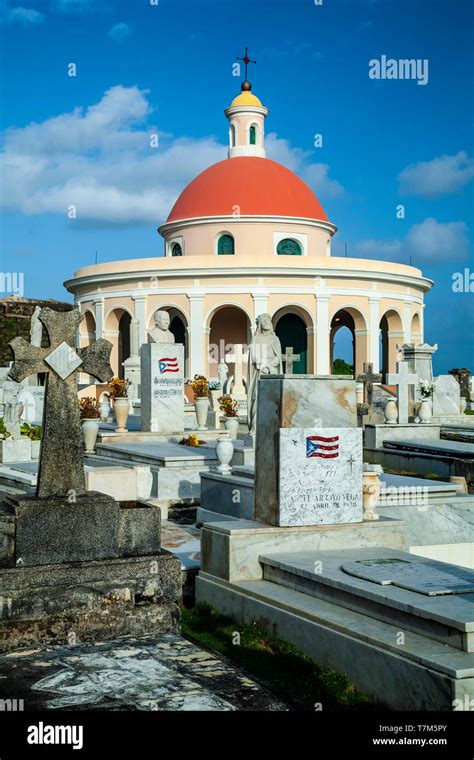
[(403, 68), (12, 282), (463, 282)]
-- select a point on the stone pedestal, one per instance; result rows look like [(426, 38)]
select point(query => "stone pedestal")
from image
[(298, 401), (93, 527), (162, 387), (420, 361)]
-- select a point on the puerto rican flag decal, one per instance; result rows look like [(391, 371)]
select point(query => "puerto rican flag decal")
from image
[(168, 365), (321, 446)]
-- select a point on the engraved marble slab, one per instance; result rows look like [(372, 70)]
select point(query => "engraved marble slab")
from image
[(320, 476), (429, 578), (162, 387)]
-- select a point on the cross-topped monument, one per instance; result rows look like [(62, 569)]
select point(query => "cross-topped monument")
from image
[(237, 358), (402, 379), (369, 377), (246, 61), (61, 468), (289, 358)]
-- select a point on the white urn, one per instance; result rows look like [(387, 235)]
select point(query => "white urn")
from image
[(201, 405), (231, 424), (462, 404), (224, 453), (391, 412), (371, 486), (90, 430), (424, 412), (121, 409)]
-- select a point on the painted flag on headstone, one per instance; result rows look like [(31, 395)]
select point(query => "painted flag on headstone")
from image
[(322, 446), (168, 365)]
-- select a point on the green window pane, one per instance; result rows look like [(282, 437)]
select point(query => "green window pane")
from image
[(253, 136), (176, 250), (225, 245), (288, 247)]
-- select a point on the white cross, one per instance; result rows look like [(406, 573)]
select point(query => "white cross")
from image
[(237, 358), (289, 359), (402, 380)]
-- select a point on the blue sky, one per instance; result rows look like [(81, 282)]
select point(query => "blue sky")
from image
[(167, 68)]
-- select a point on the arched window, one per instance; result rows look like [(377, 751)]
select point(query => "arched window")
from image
[(232, 135), (253, 135), (289, 247), (225, 246), (176, 250)]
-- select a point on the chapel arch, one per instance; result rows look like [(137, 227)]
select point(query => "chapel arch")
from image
[(228, 325), (349, 338), (391, 334), (291, 324)]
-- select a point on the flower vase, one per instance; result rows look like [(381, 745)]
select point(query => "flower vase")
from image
[(371, 486), (231, 424), (224, 453), (201, 405), (90, 430), (463, 405), (424, 412), (391, 412), (121, 409)]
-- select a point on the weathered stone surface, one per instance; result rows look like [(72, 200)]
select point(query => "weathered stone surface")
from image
[(54, 530), (139, 530), (61, 463), (89, 601), (422, 576)]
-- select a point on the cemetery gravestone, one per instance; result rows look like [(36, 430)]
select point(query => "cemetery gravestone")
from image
[(162, 387), (402, 379), (446, 396), (423, 577), (289, 358), (320, 479)]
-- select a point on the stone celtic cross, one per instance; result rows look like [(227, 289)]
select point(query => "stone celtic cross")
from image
[(402, 379), (369, 377), (61, 468), (289, 358)]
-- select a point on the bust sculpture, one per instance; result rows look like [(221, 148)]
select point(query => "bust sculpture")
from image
[(161, 333), (264, 359)]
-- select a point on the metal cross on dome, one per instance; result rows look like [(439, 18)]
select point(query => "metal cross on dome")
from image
[(61, 468), (246, 60)]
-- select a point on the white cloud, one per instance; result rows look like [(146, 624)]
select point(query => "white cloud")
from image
[(22, 16), (298, 160), (442, 175), (100, 160), (74, 6), (120, 32), (429, 241)]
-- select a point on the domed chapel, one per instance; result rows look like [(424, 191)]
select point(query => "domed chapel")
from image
[(247, 236)]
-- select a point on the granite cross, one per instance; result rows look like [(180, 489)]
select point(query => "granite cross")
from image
[(289, 358), (61, 468), (369, 377), (237, 358), (402, 379)]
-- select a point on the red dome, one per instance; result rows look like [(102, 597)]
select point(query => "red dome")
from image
[(257, 185)]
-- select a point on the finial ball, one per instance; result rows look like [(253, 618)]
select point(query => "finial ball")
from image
[(245, 86)]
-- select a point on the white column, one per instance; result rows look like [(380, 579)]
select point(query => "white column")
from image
[(407, 337), (322, 335), (99, 318), (260, 302), (140, 314), (374, 333), (197, 360)]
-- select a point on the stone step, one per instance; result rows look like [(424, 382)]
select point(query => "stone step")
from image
[(405, 669), (445, 618)]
